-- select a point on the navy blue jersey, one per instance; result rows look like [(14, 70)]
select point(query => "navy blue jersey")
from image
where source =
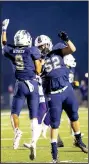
[(71, 75), (59, 46), (22, 60), (55, 71)]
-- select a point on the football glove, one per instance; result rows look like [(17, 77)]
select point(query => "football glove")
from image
[(63, 36), (5, 24)]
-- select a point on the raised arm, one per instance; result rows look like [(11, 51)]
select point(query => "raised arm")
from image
[(5, 47), (70, 47), (5, 24)]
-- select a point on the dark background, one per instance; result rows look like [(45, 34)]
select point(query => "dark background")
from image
[(48, 18)]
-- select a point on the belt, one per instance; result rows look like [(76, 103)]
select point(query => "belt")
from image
[(59, 90)]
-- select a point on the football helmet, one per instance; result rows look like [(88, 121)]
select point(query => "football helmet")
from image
[(44, 43), (69, 60), (22, 38)]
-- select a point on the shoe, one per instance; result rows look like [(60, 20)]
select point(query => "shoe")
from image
[(32, 154), (81, 145), (54, 161), (59, 142), (18, 135), (27, 145)]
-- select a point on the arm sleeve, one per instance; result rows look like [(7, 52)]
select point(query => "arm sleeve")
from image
[(7, 51), (58, 48), (36, 55)]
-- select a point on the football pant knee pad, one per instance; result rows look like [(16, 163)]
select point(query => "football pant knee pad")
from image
[(55, 124)]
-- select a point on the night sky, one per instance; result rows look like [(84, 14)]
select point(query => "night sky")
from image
[(48, 18)]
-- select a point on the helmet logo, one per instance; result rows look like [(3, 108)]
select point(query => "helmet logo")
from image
[(39, 39)]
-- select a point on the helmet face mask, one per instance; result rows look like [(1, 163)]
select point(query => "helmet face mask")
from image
[(44, 43), (22, 38), (44, 49)]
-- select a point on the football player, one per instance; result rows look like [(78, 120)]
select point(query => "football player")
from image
[(41, 111), (26, 62), (70, 63), (58, 88)]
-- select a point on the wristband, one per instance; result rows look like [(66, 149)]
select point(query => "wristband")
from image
[(3, 30), (67, 39)]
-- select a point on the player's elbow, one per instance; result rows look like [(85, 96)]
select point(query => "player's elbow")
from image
[(69, 50)]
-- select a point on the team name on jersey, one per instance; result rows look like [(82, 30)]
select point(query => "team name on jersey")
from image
[(18, 51)]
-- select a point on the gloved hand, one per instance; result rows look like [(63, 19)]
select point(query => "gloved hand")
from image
[(5, 24), (63, 36)]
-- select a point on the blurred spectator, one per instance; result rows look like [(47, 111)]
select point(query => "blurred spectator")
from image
[(10, 90), (2, 101), (84, 92)]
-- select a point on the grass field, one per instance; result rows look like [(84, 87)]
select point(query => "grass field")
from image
[(67, 154)]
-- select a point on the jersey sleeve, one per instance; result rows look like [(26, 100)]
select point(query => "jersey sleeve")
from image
[(59, 46), (6, 51), (57, 49), (35, 52)]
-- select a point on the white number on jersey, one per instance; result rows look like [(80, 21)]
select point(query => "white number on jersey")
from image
[(71, 77), (19, 62), (52, 63)]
